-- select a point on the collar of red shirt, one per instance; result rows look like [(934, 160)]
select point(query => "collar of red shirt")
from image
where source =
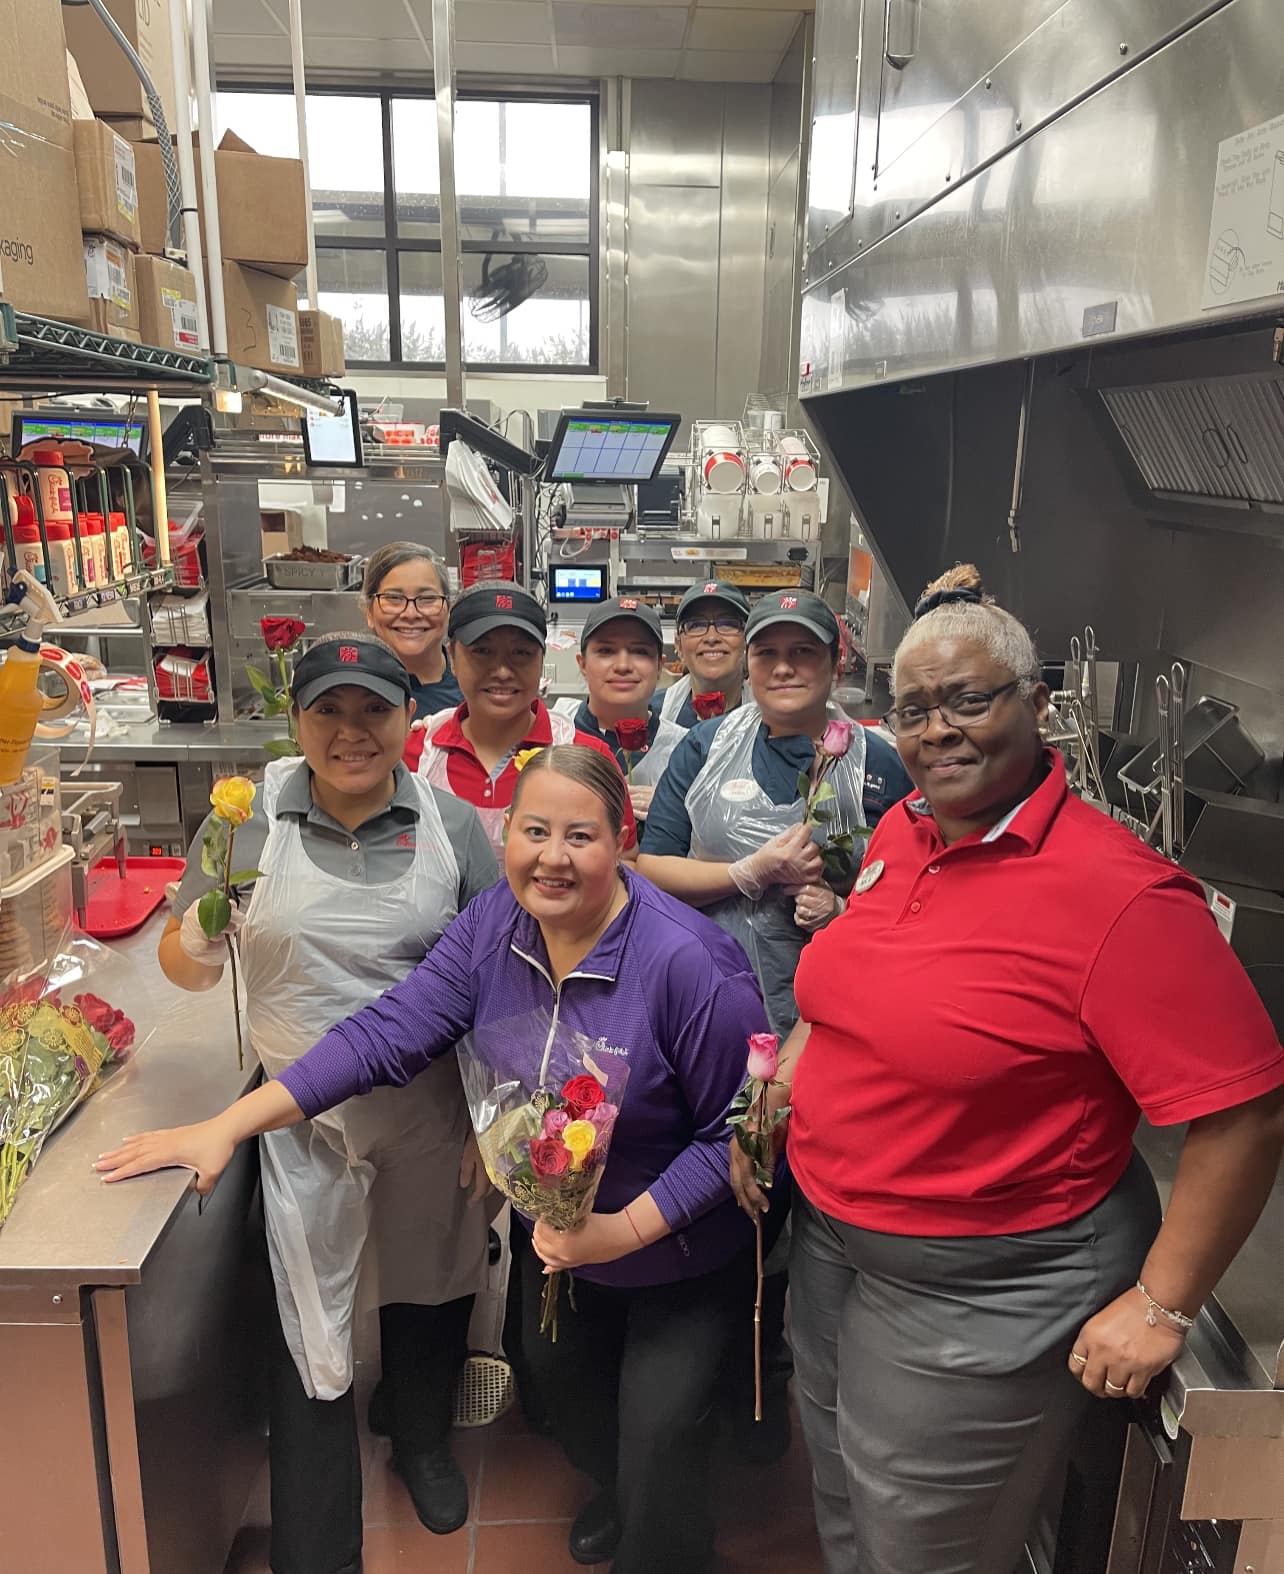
[(450, 735), (1028, 826)]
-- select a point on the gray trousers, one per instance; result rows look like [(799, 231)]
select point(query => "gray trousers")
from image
[(932, 1377)]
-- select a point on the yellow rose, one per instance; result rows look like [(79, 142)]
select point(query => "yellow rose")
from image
[(232, 799), (580, 1137), (524, 757)]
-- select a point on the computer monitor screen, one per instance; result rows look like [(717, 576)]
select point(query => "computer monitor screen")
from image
[(618, 447), (103, 428), (574, 583), (334, 440)]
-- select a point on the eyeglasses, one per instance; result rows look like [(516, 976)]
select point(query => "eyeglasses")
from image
[(964, 710), (393, 601), (700, 626)]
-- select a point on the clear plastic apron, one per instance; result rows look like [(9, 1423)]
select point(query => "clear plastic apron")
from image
[(434, 765), (373, 1185), (675, 697), (731, 816)]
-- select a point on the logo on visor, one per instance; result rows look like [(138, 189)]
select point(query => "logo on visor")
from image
[(504, 603), (789, 603), (349, 653), (628, 604), (711, 589)]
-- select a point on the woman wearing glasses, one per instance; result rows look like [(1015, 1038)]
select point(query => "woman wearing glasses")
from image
[(976, 1247), (406, 603), (711, 643)]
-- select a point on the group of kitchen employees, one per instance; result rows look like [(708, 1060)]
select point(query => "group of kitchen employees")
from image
[(981, 984)]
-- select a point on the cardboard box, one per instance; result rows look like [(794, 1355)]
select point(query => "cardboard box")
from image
[(106, 175), (35, 95), (109, 79), (131, 127), (262, 213), (321, 344), (262, 320), (113, 290), (167, 305)]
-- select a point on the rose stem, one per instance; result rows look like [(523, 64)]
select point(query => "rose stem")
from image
[(757, 1324), (236, 1005), (285, 695)]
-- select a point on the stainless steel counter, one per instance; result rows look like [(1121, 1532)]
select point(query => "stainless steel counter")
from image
[(132, 1320), (176, 741)]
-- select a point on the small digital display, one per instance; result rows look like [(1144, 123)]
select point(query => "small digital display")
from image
[(614, 446), (334, 440), (103, 431), (577, 584)]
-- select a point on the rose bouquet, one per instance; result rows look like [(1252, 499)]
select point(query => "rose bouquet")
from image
[(58, 1041), (282, 637), (631, 734), (543, 1101), (753, 1124)]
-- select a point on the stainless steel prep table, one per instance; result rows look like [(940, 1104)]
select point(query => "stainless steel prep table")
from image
[(131, 1321)]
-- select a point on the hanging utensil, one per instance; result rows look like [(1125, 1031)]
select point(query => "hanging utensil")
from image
[(1177, 772), (1163, 698), (1090, 699)]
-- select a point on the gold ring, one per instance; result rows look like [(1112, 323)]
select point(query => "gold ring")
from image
[(1082, 1359), (1116, 1388)]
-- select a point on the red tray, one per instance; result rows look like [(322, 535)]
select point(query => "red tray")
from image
[(116, 907)]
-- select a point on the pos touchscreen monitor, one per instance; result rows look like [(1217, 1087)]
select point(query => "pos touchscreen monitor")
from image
[(620, 447), (334, 441)]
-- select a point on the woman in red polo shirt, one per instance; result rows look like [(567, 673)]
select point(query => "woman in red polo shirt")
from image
[(977, 1249), (497, 632)]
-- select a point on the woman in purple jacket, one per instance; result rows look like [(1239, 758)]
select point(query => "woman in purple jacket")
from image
[(663, 1266)]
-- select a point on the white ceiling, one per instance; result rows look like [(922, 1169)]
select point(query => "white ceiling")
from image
[(697, 42)]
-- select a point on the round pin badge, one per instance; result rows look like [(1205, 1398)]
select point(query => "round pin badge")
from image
[(738, 790), (869, 876)]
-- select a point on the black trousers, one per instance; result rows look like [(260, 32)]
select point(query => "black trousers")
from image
[(314, 1451), (629, 1390)]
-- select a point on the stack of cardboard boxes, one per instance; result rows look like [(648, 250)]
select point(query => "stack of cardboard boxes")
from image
[(104, 179)]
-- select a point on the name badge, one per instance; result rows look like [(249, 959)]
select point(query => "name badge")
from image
[(869, 876), (738, 790)]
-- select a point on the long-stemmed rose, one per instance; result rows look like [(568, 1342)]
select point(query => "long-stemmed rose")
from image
[(282, 637), (753, 1124), (232, 801), (632, 734), (816, 790)]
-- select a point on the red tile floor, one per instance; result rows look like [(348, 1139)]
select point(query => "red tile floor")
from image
[(523, 1496)]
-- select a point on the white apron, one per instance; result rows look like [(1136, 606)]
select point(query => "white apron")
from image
[(648, 767), (434, 762), (383, 1168), (731, 816)]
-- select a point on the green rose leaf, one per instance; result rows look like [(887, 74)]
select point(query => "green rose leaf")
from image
[(215, 913), (274, 705), (214, 848), (261, 683), (804, 784), (244, 876), (281, 748), (824, 792)]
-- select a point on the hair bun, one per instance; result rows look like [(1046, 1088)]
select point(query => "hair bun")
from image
[(963, 576)]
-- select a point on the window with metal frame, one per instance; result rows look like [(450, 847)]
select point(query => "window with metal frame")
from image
[(526, 174)]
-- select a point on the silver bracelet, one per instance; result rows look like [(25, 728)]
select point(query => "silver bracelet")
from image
[(1154, 1312)]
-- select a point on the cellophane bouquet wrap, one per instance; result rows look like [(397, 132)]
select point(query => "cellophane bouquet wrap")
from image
[(544, 1101), (63, 1031)]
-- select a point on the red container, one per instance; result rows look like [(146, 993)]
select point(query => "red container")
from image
[(487, 562)]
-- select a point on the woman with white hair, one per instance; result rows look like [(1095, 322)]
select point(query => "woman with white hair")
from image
[(977, 1250)]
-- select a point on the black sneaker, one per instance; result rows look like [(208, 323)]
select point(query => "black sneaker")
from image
[(596, 1531), (437, 1488)]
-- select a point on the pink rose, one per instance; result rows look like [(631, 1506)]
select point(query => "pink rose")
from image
[(555, 1122), (602, 1118), (838, 738), (764, 1056)]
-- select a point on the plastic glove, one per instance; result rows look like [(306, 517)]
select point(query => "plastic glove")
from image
[(640, 798), (792, 858), (815, 906), (195, 943)]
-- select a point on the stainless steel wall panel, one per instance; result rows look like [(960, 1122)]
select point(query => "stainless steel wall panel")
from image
[(742, 243), (831, 171), (1108, 206), (780, 286), (673, 297), (675, 134)]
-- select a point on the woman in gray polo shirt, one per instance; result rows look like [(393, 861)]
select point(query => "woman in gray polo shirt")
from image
[(362, 866)]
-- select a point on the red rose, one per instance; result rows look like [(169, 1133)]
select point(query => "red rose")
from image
[(632, 734), (550, 1157), (706, 706), (282, 633), (580, 1095)]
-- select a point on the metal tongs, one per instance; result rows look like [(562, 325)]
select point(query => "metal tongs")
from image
[(1170, 696), (1080, 697)]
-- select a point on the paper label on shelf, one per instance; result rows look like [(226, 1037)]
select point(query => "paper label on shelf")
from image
[(183, 315), (704, 554), (126, 179), (1246, 229), (837, 336), (283, 336)]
